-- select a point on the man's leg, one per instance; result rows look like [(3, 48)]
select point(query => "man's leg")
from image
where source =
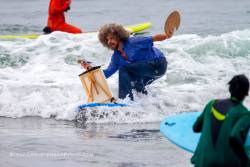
[(125, 87), (142, 74), (69, 28), (127, 82), (140, 85)]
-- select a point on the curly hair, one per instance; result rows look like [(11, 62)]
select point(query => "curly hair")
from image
[(113, 29)]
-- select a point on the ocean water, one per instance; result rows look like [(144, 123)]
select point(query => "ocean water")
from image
[(40, 88)]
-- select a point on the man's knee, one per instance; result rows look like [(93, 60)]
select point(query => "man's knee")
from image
[(69, 28)]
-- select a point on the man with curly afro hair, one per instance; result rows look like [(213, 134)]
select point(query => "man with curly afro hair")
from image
[(138, 61)]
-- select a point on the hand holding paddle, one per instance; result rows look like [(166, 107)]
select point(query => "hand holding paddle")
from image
[(172, 23)]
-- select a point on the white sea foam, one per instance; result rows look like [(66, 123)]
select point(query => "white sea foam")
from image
[(40, 77)]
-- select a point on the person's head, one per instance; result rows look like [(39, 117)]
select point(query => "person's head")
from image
[(239, 87), (110, 35)]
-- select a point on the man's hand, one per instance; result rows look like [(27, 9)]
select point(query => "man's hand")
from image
[(170, 33), (67, 3), (162, 37), (86, 65), (66, 10)]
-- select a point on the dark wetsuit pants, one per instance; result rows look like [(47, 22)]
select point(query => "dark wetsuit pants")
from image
[(138, 75)]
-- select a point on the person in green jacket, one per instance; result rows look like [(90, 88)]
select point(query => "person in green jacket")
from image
[(216, 124), (238, 138)]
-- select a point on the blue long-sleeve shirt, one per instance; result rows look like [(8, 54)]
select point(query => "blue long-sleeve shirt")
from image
[(138, 49)]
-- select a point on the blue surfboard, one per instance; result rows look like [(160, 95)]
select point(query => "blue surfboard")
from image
[(90, 105), (84, 111), (178, 129)]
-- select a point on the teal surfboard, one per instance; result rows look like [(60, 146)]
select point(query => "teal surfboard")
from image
[(178, 129)]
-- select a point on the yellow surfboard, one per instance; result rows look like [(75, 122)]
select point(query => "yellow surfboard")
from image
[(30, 36), (131, 28), (138, 27)]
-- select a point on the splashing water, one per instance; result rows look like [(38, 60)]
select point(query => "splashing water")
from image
[(40, 77)]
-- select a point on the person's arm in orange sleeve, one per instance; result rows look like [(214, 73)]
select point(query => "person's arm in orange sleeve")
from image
[(56, 6)]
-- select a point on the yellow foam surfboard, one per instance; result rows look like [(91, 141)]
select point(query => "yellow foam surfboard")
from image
[(30, 36), (132, 29), (138, 27)]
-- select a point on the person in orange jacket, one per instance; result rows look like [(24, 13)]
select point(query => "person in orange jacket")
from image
[(56, 19)]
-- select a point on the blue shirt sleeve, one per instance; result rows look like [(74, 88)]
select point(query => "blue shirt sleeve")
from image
[(112, 68), (142, 41)]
